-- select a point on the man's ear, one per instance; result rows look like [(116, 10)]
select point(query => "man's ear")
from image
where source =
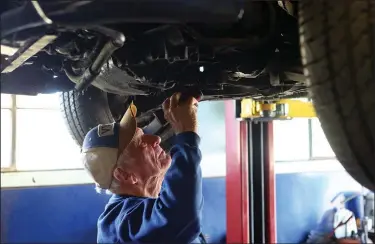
[(124, 177)]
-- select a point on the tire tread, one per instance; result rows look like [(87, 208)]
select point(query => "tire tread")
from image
[(84, 110), (337, 46)]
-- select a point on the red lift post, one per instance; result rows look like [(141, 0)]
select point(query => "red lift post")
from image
[(250, 179)]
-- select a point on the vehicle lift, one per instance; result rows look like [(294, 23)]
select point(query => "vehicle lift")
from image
[(250, 176)]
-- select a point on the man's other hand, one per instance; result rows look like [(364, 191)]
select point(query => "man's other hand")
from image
[(182, 115)]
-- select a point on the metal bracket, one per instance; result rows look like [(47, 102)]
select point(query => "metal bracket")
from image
[(279, 110), (27, 52)]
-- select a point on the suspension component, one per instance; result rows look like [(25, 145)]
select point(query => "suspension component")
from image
[(116, 41)]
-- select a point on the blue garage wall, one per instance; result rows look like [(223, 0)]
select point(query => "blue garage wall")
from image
[(214, 210), (50, 214), (302, 198), (68, 213)]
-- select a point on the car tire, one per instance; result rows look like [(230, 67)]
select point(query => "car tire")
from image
[(338, 53), (84, 110)]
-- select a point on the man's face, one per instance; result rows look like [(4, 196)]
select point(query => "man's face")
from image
[(149, 158)]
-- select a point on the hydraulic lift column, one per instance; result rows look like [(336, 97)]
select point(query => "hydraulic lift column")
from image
[(250, 184), (261, 182), (250, 177)]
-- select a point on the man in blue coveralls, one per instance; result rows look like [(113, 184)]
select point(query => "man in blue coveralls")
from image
[(122, 159)]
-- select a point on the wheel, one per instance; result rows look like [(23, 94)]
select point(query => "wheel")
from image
[(337, 40), (84, 110)]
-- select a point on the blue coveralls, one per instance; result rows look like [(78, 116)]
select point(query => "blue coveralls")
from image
[(174, 217)]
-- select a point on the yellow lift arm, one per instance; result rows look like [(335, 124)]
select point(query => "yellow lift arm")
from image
[(279, 110)]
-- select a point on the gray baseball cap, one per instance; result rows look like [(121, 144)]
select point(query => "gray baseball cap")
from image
[(103, 145)]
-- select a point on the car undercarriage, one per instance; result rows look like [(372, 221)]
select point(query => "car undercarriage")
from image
[(257, 55), (102, 55)]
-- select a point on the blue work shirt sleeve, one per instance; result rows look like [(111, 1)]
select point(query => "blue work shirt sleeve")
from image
[(176, 214)]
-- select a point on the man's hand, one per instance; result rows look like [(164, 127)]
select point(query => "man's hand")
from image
[(182, 115)]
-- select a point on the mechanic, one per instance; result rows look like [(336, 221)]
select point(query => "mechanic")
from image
[(133, 166)]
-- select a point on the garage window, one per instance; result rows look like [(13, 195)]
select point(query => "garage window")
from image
[(6, 138), (34, 136), (320, 146), (291, 140), (6, 131), (300, 140), (35, 139)]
